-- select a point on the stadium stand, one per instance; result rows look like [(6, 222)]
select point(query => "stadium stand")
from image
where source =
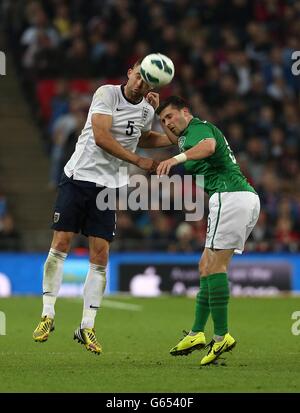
[(233, 63), (9, 237)]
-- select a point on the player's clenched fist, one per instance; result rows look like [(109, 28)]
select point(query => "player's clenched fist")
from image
[(153, 99), (147, 164), (165, 166), (154, 166)]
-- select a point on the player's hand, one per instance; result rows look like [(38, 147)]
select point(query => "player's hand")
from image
[(153, 99), (154, 166), (147, 164), (165, 166)]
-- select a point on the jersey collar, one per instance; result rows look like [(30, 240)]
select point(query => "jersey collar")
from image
[(126, 98), (188, 125)]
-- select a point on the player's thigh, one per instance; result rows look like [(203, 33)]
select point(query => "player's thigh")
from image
[(69, 209), (99, 223), (99, 250)]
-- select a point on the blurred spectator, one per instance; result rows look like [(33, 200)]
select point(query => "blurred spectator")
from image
[(185, 238), (77, 62), (39, 34), (59, 102), (9, 238), (65, 132), (161, 232), (286, 238), (71, 138), (62, 21)]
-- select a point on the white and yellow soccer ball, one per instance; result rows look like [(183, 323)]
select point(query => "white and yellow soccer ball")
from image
[(157, 69)]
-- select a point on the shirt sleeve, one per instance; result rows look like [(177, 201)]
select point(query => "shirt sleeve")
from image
[(200, 133), (103, 101)]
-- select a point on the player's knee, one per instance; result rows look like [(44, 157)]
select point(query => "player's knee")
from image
[(99, 255), (215, 268), (61, 244)]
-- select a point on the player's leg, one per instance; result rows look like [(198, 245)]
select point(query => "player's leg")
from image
[(233, 216), (202, 299), (100, 228), (218, 286), (52, 278), (219, 293), (239, 216), (195, 339), (93, 293), (53, 269), (95, 281), (68, 213)]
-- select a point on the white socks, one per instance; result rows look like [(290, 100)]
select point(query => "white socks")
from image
[(53, 272), (218, 338), (92, 294)]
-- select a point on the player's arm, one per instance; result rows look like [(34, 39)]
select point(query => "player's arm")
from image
[(101, 125), (152, 139), (202, 150)]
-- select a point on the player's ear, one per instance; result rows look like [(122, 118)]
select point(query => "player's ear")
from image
[(129, 71), (186, 111)]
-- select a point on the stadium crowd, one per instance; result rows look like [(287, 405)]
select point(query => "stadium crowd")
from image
[(9, 236), (233, 64)]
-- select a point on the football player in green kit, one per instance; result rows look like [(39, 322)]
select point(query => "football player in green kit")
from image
[(233, 212)]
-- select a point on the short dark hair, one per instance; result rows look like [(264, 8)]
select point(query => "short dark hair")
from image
[(138, 62), (175, 101)]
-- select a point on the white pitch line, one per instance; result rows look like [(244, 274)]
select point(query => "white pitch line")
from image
[(121, 306)]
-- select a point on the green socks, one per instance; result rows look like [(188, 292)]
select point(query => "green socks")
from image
[(213, 298), (202, 306), (218, 288)]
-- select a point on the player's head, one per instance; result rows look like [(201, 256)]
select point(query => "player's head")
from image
[(136, 88), (175, 114)]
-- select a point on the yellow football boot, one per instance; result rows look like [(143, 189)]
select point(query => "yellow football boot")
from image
[(218, 348), (44, 328), (87, 337), (189, 344)]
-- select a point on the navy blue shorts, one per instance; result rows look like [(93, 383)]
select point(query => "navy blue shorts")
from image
[(76, 210)]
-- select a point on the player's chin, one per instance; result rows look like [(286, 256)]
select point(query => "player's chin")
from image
[(137, 93)]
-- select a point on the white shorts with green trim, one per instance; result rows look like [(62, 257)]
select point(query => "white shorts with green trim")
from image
[(232, 217)]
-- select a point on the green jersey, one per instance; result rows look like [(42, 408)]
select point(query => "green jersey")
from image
[(220, 170)]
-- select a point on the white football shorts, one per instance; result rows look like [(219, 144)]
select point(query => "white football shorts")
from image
[(232, 217)]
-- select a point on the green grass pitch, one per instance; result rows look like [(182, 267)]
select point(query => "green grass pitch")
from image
[(136, 348)]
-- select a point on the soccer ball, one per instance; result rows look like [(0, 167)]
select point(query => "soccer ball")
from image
[(157, 69)]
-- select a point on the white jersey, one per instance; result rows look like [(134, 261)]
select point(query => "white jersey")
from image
[(91, 163)]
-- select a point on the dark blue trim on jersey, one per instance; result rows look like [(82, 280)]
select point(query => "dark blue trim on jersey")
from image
[(128, 100)]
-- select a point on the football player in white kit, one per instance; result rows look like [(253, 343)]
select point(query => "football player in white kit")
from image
[(119, 119)]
